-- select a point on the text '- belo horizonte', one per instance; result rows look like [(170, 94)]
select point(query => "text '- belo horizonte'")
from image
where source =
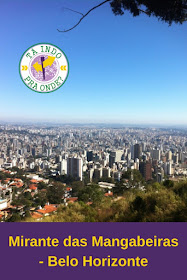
[(123, 243)]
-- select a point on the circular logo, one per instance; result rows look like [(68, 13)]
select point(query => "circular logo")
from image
[(44, 68)]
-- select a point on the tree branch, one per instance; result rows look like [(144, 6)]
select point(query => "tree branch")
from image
[(144, 12), (73, 11), (84, 15), (95, 7)]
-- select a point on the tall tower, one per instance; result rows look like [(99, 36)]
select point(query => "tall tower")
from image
[(74, 167), (146, 170), (136, 151), (89, 156)]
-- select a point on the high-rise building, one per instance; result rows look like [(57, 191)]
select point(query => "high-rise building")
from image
[(97, 173), (185, 147), (132, 152), (136, 164), (136, 151), (58, 158), (63, 167), (90, 174), (111, 160), (106, 172), (115, 156), (49, 152), (146, 170), (155, 154), (176, 158), (169, 155), (89, 156), (74, 167), (169, 168), (33, 152)]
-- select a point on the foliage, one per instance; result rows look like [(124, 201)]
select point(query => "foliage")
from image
[(2, 176), (168, 183), (167, 10), (65, 179), (41, 186), (156, 204), (134, 174), (40, 199), (69, 214), (55, 193), (14, 218), (77, 187), (91, 193)]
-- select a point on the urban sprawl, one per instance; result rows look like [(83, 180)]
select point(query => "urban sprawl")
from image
[(33, 157)]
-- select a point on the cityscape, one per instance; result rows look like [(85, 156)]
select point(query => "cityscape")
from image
[(44, 168)]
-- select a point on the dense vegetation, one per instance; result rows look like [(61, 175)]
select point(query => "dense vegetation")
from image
[(165, 202), (157, 203)]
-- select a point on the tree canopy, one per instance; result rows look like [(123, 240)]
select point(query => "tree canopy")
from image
[(169, 11)]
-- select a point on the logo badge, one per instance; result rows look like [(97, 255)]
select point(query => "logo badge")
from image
[(44, 68)]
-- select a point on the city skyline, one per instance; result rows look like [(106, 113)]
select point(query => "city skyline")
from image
[(122, 69), (44, 168)]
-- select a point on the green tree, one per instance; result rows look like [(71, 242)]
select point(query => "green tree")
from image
[(91, 193), (41, 185), (40, 199), (14, 218), (77, 186), (2, 177), (27, 214), (133, 175), (72, 213), (168, 184), (55, 193), (159, 206)]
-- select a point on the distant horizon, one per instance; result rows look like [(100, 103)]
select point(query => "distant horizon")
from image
[(106, 124), (105, 121)]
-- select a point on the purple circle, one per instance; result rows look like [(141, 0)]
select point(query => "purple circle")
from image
[(47, 73)]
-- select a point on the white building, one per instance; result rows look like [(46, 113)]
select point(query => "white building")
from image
[(3, 204), (63, 167)]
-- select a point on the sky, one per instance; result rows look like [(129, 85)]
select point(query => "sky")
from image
[(122, 69)]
